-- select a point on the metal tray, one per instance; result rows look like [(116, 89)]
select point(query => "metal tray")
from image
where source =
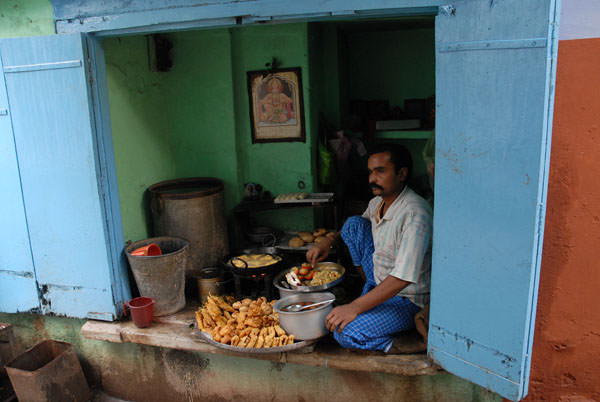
[(287, 348), (311, 198), (330, 266)]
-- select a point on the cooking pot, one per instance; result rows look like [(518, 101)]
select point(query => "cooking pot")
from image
[(307, 324), (267, 269)]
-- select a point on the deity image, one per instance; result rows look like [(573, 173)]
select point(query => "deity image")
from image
[(276, 103)]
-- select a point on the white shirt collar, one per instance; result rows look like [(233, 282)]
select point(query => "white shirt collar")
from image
[(391, 208)]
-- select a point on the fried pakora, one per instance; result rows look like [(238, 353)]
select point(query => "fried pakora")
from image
[(246, 323)]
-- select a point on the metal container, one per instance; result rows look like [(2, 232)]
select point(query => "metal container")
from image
[(161, 277), (283, 287), (304, 325), (194, 209), (286, 289), (208, 283)]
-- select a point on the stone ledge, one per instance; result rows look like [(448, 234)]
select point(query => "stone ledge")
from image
[(174, 332)]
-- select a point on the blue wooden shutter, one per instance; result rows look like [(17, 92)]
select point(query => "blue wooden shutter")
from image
[(18, 289), (495, 81), (60, 175)]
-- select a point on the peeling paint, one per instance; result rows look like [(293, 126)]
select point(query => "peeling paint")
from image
[(24, 274)]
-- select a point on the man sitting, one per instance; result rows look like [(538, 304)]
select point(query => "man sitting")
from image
[(391, 242)]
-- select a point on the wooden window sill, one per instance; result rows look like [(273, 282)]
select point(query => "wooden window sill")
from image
[(175, 332)]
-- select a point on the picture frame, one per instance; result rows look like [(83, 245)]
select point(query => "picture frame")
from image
[(276, 105)]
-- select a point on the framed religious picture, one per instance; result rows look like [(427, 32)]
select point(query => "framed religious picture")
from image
[(276, 105)]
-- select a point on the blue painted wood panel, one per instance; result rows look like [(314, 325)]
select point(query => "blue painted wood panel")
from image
[(108, 171), (494, 83), (60, 174), (118, 17), (18, 289)]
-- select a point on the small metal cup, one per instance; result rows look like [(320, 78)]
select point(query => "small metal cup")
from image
[(208, 283)]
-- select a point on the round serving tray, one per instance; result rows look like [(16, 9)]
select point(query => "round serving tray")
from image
[(287, 348), (280, 282)]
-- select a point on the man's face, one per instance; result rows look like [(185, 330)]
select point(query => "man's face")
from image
[(383, 179)]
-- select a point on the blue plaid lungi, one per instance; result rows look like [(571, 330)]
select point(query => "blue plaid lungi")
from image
[(373, 329)]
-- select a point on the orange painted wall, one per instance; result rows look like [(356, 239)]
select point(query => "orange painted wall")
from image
[(566, 348)]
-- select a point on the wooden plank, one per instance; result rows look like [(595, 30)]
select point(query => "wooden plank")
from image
[(176, 334)]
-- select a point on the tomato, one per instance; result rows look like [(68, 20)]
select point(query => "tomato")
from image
[(309, 276), (303, 271)]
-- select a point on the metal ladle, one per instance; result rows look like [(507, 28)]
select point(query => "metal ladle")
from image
[(294, 308)]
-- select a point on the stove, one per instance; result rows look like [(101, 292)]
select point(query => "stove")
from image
[(253, 286)]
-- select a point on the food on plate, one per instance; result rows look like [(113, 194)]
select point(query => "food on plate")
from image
[(306, 275), (307, 237), (290, 197), (292, 279), (255, 260), (319, 232), (324, 276), (296, 242), (303, 237), (246, 323)]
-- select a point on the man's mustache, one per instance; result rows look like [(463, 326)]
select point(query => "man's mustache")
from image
[(373, 185)]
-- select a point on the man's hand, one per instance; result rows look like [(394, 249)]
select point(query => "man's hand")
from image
[(318, 252), (341, 316)]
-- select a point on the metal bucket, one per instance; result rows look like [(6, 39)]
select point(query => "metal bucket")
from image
[(194, 209), (161, 277)]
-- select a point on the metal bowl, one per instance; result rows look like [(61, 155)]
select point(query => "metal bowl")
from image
[(281, 284), (308, 324), (322, 266)]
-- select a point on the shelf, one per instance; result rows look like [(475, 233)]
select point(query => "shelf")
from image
[(263, 205), (403, 135)]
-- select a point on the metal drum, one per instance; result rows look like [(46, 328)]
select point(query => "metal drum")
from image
[(193, 209)]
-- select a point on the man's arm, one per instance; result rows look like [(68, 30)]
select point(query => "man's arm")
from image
[(320, 251), (342, 315)]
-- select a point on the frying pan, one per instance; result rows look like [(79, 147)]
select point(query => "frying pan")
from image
[(268, 269)]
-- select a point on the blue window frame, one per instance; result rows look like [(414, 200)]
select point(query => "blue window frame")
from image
[(495, 73)]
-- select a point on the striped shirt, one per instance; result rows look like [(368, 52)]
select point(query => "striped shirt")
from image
[(402, 240)]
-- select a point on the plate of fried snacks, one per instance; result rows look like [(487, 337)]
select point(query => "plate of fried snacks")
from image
[(248, 326)]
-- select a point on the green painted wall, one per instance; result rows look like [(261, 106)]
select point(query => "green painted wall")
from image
[(143, 139), (26, 18), (194, 119), (277, 166), (200, 107), (135, 372)]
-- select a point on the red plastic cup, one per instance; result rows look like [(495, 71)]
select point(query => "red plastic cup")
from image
[(141, 309), (148, 250)]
